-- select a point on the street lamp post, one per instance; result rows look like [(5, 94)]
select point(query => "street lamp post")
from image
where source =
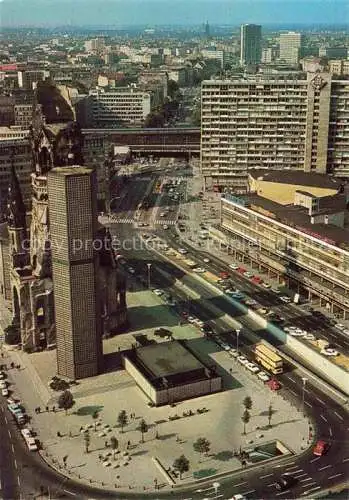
[(216, 486), (304, 380), (238, 330), (149, 266)]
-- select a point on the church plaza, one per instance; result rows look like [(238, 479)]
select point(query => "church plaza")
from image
[(142, 466)]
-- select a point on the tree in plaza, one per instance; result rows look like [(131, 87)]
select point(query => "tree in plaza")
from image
[(66, 401), (143, 428), (122, 419), (95, 415), (270, 413), (247, 402), (181, 464), (114, 443), (87, 440), (202, 445), (245, 419)]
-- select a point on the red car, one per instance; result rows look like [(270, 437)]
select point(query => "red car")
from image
[(241, 270), (320, 448), (224, 275), (273, 384), (257, 279)]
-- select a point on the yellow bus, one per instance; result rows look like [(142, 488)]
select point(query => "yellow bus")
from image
[(269, 359)]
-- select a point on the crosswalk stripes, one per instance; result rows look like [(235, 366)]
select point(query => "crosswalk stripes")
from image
[(116, 220)]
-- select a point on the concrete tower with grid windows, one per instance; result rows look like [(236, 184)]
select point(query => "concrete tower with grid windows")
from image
[(73, 221)]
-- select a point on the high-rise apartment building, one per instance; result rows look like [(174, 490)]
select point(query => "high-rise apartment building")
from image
[(290, 47), (251, 44), (73, 222), (276, 123)]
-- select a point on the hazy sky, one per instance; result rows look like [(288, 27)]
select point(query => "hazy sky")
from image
[(156, 12)]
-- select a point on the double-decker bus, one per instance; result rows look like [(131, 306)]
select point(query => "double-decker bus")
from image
[(268, 358)]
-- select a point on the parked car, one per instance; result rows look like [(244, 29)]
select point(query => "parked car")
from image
[(199, 270), (263, 376), (4, 392), (285, 298), (206, 260), (320, 448), (3, 384), (258, 280), (248, 274), (339, 326), (165, 226), (266, 285), (329, 352), (252, 367), (274, 384), (158, 292), (224, 275), (234, 266), (243, 360), (241, 270), (276, 290), (234, 353), (182, 251)]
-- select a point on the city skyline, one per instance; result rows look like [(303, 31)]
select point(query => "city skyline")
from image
[(163, 12)]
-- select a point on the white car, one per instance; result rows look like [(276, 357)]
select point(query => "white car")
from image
[(266, 285), (276, 290), (198, 322), (26, 433), (252, 367), (206, 260), (233, 353), (131, 270), (248, 274), (165, 226), (285, 298), (191, 319), (329, 352), (158, 292), (339, 326), (3, 384), (234, 267), (346, 331), (199, 270), (183, 251), (242, 360), (238, 496), (263, 376), (2, 375), (225, 346), (162, 214), (4, 392), (309, 336)]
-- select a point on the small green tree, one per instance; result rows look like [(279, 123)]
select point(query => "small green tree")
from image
[(202, 445), (181, 464), (245, 419), (122, 419), (66, 401), (95, 415), (114, 443), (247, 402), (143, 428), (270, 413), (87, 440)]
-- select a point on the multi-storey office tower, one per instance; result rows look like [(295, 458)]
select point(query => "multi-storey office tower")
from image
[(290, 47), (298, 124), (73, 222), (251, 44)]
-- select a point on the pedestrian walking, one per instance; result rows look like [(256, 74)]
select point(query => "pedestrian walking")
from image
[(53, 409), (47, 408), (106, 444), (39, 409)]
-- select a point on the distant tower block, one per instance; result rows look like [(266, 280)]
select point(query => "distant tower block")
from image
[(73, 221)]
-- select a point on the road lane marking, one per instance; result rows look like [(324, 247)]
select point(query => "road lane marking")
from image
[(271, 484), (315, 459), (301, 475), (13, 450), (325, 467), (70, 492), (240, 484), (323, 418), (306, 402), (6, 419), (318, 399), (307, 479), (248, 492), (282, 493), (9, 433), (267, 475), (293, 467), (345, 459), (15, 463), (290, 378), (338, 415), (307, 485), (336, 475), (293, 392), (309, 491), (296, 471), (330, 430), (18, 481)]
